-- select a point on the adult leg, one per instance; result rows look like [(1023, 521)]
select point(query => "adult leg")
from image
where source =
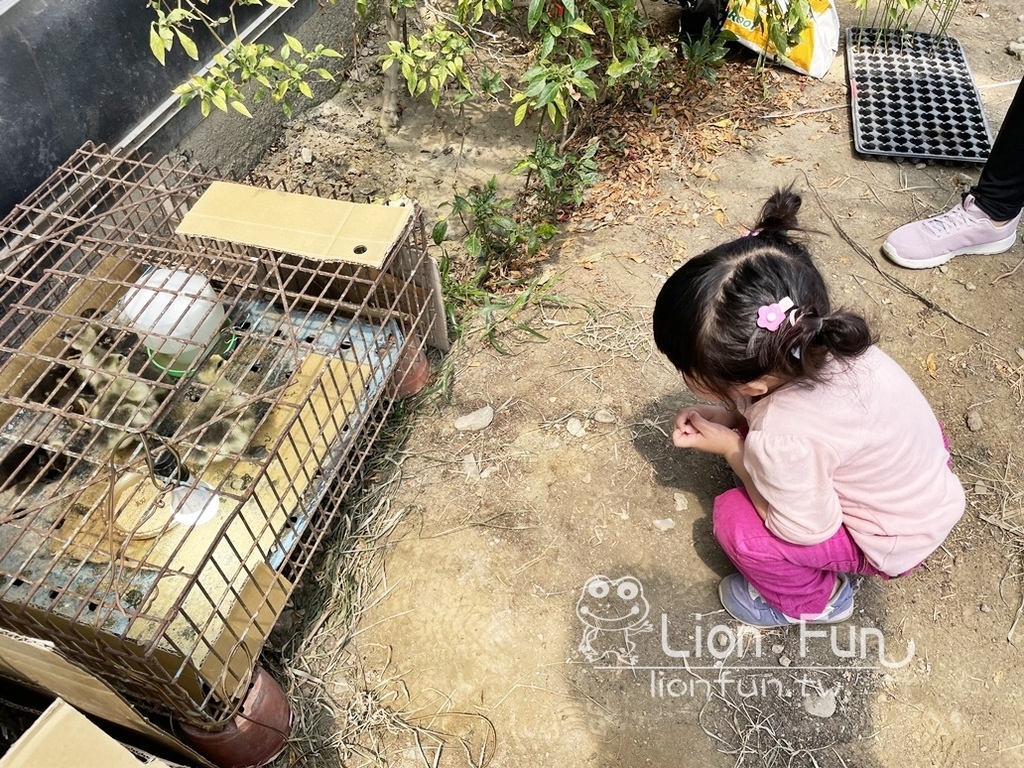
[(796, 579), (1000, 189)]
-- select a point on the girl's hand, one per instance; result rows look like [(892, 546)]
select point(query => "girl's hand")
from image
[(696, 430), (713, 413), (706, 433)]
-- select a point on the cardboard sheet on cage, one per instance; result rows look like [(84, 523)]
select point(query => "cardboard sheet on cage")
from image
[(324, 390), (39, 664), (315, 227)]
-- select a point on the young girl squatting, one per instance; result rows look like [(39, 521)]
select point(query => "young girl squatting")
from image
[(845, 468)]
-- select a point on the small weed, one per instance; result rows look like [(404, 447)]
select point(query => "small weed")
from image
[(495, 239), (502, 236), (498, 311), (705, 54), (460, 295)]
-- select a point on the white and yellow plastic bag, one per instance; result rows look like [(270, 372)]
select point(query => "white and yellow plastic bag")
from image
[(818, 44)]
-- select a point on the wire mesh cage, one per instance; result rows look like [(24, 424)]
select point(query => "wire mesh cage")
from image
[(180, 417)]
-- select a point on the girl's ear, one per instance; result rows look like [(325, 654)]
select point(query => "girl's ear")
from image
[(758, 387)]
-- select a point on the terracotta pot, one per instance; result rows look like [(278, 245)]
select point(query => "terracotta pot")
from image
[(412, 372), (255, 736)]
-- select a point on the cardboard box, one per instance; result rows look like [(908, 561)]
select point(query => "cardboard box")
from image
[(40, 665), (334, 238), (62, 737)]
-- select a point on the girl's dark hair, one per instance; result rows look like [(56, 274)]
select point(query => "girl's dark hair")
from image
[(705, 318)]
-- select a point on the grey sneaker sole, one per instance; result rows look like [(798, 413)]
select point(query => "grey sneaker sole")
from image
[(989, 249), (832, 619), (835, 617)]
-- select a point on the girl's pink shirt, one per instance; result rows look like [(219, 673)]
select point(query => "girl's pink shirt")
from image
[(861, 449)]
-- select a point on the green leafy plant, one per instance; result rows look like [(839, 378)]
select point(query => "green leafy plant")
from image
[(494, 237), (562, 177), (586, 51), (280, 74), (472, 11), (634, 56), (784, 23), (568, 51), (279, 77), (551, 88), (573, 65), (431, 61), (705, 54)]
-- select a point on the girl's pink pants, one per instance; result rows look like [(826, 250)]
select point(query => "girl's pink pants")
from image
[(793, 578)]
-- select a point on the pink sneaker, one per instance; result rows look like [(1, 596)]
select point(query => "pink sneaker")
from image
[(960, 230)]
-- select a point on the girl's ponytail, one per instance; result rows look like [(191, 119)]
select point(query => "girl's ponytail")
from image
[(812, 339), (845, 334), (755, 306), (778, 215)]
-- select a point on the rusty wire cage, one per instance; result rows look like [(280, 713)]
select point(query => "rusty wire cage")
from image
[(156, 508)]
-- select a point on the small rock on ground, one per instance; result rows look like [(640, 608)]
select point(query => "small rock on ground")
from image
[(821, 705), (974, 421), (475, 421), (575, 427)]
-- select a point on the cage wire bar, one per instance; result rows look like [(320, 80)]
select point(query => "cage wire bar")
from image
[(153, 521)]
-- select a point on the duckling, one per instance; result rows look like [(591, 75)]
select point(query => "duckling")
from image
[(126, 388), (120, 401), (100, 355), (114, 398), (89, 344), (228, 429)]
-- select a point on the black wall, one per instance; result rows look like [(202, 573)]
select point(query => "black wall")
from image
[(78, 70)]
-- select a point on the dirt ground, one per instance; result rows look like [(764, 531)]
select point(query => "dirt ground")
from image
[(480, 645)]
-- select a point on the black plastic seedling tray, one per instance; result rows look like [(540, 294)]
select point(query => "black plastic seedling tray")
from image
[(912, 95)]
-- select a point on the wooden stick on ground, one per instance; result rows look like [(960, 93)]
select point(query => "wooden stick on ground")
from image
[(892, 280)]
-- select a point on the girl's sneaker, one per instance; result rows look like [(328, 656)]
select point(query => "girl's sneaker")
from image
[(746, 604), (963, 229)]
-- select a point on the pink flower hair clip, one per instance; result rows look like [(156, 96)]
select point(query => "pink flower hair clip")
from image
[(771, 316)]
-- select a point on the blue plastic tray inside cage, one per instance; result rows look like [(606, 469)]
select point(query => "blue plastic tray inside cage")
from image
[(373, 348), (912, 95)]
